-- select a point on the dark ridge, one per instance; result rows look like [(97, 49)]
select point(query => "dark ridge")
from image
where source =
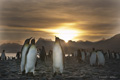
[(112, 44)]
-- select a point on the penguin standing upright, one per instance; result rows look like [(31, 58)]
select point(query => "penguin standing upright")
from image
[(31, 57), (58, 57), (93, 57), (79, 56), (43, 54), (101, 58), (87, 53), (83, 55), (113, 55), (117, 56), (23, 54), (108, 54), (3, 56)]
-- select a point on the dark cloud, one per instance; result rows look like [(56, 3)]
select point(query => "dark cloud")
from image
[(99, 26), (22, 34), (101, 16), (56, 11)]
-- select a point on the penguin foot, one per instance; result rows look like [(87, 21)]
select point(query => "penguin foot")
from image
[(60, 74), (100, 66), (30, 74), (54, 74), (23, 73)]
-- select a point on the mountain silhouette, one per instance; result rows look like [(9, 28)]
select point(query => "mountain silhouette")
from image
[(10, 47), (112, 44)]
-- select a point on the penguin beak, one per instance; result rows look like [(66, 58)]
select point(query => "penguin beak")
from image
[(30, 38)]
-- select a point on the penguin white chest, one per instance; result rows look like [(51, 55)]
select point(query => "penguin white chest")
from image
[(88, 54), (31, 59), (57, 58), (117, 55), (113, 55), (101, 58), (93, 58), (3, 56), (83, 55)]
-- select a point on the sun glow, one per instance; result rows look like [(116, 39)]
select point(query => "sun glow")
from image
[(64, 33)]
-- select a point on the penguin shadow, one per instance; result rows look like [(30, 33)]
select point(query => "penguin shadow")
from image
[(57, 76), (97, 66), (30, 74), (43, 76)]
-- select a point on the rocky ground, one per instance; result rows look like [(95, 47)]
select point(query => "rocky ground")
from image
[(10, 70)]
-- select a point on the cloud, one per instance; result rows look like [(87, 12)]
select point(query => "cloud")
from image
[(100, 16)]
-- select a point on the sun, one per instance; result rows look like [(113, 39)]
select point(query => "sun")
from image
[(65, 34), (66, 31)]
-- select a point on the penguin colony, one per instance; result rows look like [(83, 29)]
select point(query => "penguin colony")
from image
[(29, 56), (95, 57)]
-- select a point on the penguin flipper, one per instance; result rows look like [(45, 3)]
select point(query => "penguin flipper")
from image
[(63, 60), (22, 50), (36, 63), (28, 49), (27, 53)]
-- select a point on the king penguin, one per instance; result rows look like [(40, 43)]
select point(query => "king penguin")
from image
[(58, 57), (113, 55), (23, 54), (31, 58), (43, 54), (93, 57), (101, 58), (75, 54), (87, 53), (83, 55), (108, 54), (3, 56), (117, 56)]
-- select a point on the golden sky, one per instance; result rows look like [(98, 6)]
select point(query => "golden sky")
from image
[(68, 19)]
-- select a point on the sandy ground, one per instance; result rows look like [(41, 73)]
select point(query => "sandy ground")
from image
[(10, 70)]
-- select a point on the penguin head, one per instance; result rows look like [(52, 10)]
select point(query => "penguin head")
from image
[(42, 47), (57, 39), (93, 49), (82, 49), (3, 51), (33, 41), (28, 40)]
